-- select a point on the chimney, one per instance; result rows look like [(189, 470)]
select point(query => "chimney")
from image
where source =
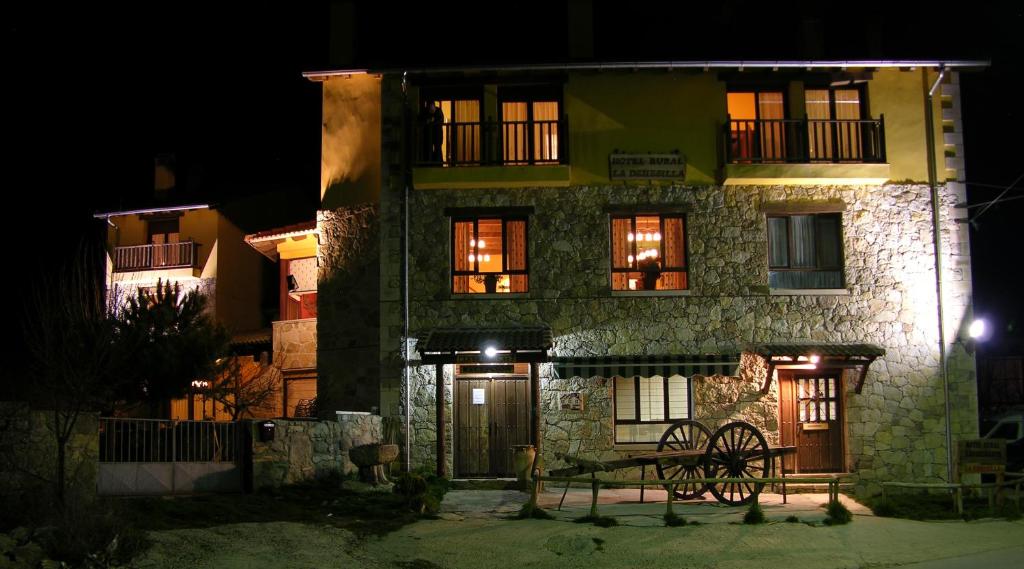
[(163, 175), (581, 30), (342, 46)]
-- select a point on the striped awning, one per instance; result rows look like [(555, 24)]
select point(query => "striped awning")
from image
[(646, 366)]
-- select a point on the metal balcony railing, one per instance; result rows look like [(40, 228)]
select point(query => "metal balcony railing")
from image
[(772, 141), (491, 143), (154, 256)]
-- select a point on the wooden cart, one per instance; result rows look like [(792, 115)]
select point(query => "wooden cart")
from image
[(689, 453)]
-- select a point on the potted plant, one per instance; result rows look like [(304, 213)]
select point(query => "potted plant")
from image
[(490, 282), (651, 272)]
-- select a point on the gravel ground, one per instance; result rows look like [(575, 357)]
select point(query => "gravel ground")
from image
[(464, 538)]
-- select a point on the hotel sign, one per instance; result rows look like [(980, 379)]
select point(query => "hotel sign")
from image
[(982, 455), (646, 166)]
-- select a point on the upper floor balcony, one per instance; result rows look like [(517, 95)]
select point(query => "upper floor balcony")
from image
[(519, 152), (154, 256), (806, 141)]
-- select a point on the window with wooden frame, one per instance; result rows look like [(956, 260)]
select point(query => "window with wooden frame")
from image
[(805, 251), (450, 127), (817, 399), (834, 123), (646, 406), (489, 254), (757, 125), (530, 125), (648, 252)]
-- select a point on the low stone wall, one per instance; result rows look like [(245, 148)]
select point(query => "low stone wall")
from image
[(310, 450), (28, 452)]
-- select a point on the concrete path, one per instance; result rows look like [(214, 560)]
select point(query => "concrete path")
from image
[(998, 559)]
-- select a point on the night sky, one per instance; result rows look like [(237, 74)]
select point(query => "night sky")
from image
[(94, 93)]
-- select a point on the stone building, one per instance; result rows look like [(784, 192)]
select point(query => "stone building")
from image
[(577, 256)]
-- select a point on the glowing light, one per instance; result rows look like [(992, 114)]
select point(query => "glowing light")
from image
[(648, 237), (490, 351), (630, 259), (481, 244), (472, 242), (657, 236), (487, 258), (472, 257), (815, 358), (630, 237), (976, 329)]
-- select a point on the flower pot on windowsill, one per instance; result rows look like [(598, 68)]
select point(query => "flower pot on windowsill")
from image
[(491, 284)]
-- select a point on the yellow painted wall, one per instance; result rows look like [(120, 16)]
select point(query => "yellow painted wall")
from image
[(351, 137), (239, 279), (297, 247), (642, 112), (658, 112)]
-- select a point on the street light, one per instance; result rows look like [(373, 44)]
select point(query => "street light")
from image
[(977, 329)]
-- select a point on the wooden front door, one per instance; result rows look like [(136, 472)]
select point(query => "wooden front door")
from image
[(491, 415), (811, 418)]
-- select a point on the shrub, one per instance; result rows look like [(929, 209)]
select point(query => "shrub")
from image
[(534, 512), (792, 520), (838, 514), (600, 521), (754, 515), (673, 520)]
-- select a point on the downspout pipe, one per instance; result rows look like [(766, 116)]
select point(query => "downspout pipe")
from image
[(406, 178), (937, 248)]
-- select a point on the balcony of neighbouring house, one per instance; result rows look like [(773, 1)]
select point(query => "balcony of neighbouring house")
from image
[(150, 257), (805, 151), (519, 153)]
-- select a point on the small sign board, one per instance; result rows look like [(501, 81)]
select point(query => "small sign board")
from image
[(646, 166), (982, 456), (478, 396), (571, 401)]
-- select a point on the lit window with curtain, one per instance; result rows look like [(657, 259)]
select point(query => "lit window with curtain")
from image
[(646, 406), (648, 252), (489, 255), (757, 126), (451, 134), (835, 130), (805, 251), (530, 128)]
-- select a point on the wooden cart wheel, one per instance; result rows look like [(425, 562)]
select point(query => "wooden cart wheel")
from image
[(684, 435), (737, 450)]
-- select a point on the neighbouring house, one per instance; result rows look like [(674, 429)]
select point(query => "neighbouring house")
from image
[(576, 256), (294, 249), (196, 246)]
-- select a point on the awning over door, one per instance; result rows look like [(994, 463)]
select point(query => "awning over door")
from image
[(485, 345), (647, 366), (817, 356)]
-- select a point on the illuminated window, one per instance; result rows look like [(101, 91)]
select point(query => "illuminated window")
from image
[(757, 126), (489, 255), (835, 130), (646, 406), (530, 126), (649, 252), (450, 130), (805, 251)]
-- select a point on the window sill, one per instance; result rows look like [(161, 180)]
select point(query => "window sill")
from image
[(809, 292), (486, 296), (685, 292), (814, 174)]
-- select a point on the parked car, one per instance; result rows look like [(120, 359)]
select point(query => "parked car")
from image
[(1011, 428)]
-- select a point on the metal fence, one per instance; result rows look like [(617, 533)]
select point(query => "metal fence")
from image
[(158, 440)]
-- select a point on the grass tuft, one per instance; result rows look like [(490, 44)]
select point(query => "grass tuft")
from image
[(838, 514), (536, 513), (673, 520), (792, 520), (754, 515)]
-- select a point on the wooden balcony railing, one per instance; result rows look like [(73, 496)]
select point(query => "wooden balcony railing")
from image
[(491, 143), (153, 256), (772, 141)]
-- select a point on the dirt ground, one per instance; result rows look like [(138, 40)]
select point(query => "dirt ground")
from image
[(474, 533)]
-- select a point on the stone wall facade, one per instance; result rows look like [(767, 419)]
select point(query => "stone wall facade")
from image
[(309, 450), (295, 344), (894, 428), (348, 310), (28, 452)]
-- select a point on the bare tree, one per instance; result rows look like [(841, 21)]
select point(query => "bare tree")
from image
[(76, 363), (244, 386)]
